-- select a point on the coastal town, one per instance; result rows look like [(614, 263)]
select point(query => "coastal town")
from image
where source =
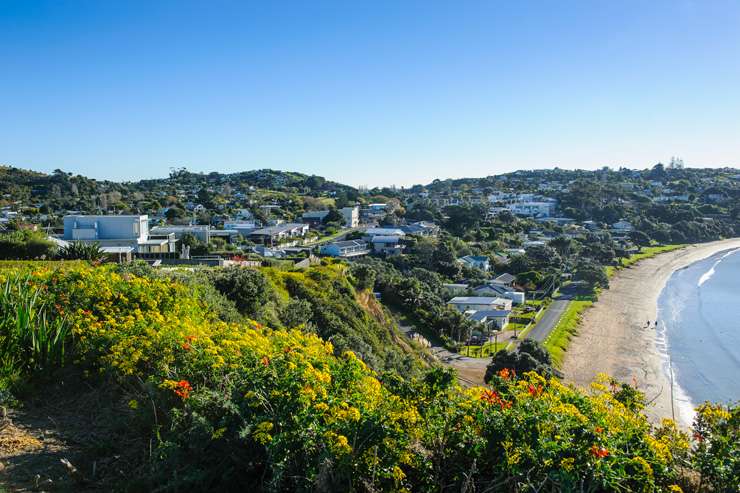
[(494, 252)]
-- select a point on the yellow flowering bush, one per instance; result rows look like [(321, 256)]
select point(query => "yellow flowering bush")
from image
[(250, 407)]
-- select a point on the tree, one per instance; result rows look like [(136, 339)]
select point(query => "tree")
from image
[(639, 238), (334, 216), (591, 273), (530, 355), (247, 288)]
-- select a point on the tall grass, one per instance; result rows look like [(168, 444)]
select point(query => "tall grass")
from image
[(31, 337)]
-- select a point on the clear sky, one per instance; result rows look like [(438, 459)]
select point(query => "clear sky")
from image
[(367, 93)]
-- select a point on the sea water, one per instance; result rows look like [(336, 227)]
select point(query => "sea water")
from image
[(699, 332)]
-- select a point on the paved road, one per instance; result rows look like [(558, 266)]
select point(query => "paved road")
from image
[(549, 319)]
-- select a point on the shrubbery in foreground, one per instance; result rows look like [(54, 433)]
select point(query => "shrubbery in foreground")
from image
[(235, 406)]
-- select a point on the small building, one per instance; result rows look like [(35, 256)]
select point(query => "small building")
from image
[(500, 291), (370, 233), (351, 216), (314, 218), (201, 231), (476, 262), (276, 234), (387, 245), (496, 318), (421, 228), (475, 303), (345, 249), (456, 289)]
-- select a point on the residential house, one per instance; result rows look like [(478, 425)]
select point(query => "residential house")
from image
[(386, 245), (351, 216), (421, 228), (279, 233), (456, 289), (314, 218), (498, 319), (467, 303), (111, 232), (201, 231), (345, 249), (476, 262)]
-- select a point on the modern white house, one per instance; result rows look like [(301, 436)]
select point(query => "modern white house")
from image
[(345, 249), (241, 227), (117, 234), (475, 303)]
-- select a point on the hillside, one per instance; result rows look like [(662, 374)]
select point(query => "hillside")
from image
[(187, 401)]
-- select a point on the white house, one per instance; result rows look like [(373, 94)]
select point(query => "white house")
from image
[(116, 233), (201, 231), (278, 233), (476, 261), (497, 318), (351, 216), (345, 249), (533, 209), (467, 303)]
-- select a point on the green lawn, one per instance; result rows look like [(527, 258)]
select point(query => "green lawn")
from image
[(485, 351), (557, 341), (647, 252)]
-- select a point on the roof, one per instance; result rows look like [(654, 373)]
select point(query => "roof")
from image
[(280, 228), (481, 315), (384, 232), (473, 300), (385, 239), (117, 249), (475, 258), (505, 278), (348, 243)]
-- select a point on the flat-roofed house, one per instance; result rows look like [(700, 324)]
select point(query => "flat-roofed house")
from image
[(279, 233), (475, 303), (345, 249)]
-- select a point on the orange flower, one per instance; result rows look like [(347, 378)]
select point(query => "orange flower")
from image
[(183, 389), (598, 452), (190, 338), (599, 429), (490, 396), (265, 360), (186, 346), (505, 373)]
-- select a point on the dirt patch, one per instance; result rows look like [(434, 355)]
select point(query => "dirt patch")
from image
[(70, 436)]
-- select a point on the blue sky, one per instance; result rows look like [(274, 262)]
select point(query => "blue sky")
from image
[(367, 93)]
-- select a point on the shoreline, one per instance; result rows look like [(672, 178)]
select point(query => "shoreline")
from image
[(612, 337)]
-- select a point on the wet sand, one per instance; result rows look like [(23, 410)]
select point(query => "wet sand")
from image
[(612, 337)]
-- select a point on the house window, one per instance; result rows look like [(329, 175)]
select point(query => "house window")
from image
[(136, 228)]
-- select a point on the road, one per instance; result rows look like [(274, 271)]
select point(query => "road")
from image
[(549, 319)]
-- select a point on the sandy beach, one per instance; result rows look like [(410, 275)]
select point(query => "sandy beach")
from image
[(612, 337)]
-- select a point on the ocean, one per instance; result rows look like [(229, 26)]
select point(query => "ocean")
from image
[(699, 332)]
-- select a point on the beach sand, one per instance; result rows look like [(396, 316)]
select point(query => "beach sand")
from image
[(612, 337)]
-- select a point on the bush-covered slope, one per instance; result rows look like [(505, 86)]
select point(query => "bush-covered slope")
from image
[(236, 406)]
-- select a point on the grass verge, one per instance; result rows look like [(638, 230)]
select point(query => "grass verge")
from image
[(646, 252)]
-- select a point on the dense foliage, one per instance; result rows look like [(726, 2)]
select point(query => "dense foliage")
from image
[(239, 406)]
